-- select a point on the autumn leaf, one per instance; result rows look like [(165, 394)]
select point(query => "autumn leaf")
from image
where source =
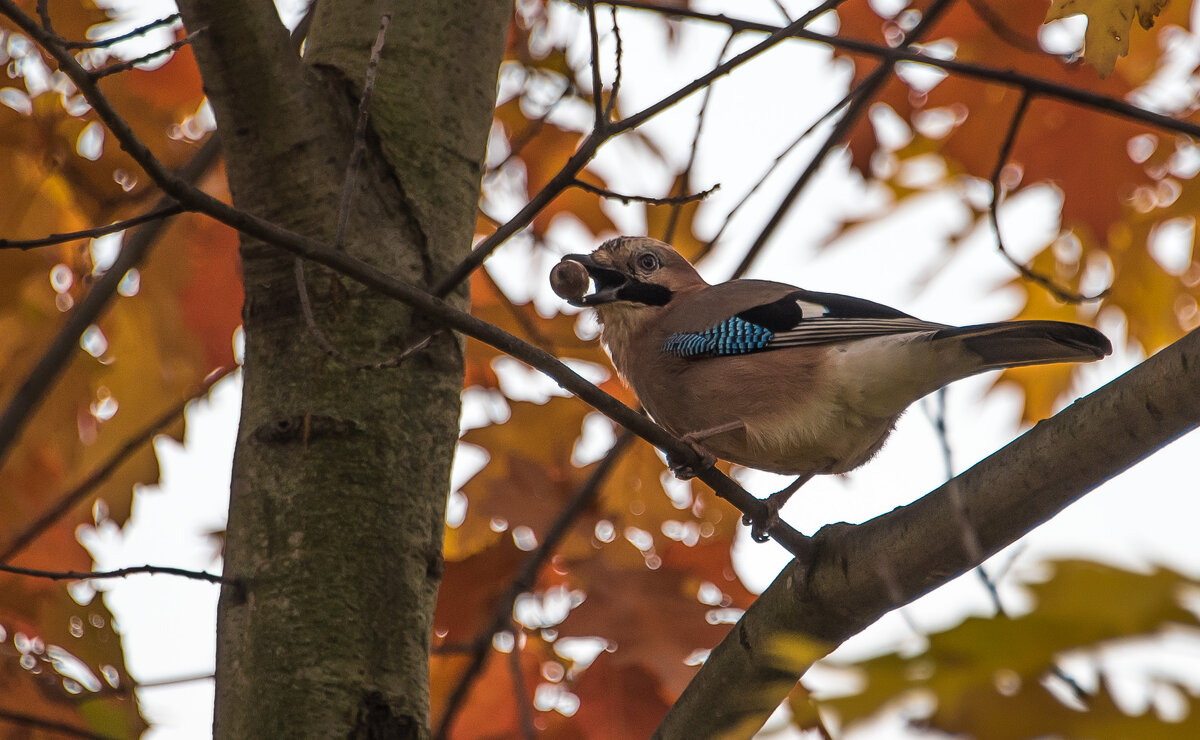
[(1108, 27), (986, 673)]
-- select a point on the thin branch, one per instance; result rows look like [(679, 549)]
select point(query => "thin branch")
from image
[(685, 177), (971, 540), (357, 152), (518, 140), (1008, 77), (310, 320), (520, 695), (663, 201), (360, 131), (852, 94), (970, 537), (100, 474), (587, 149), (89, 575), (526, 577), (65, 344), (1063, 294), (139, 31), (129, 64), (599, 122), (34, 722), (43, 11), (883, 568), (154, 214), (854, 111), (611, 105), (161, 682)]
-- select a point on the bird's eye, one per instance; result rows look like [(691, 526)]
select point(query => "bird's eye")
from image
[(647, 262)]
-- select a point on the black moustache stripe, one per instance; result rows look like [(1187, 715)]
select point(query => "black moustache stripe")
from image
[(646, 293)]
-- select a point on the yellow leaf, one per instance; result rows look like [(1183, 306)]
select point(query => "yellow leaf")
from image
[(1108, 28)]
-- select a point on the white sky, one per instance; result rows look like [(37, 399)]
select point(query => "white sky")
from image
[(1145, 516)]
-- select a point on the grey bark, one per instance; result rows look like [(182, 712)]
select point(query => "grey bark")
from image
[(341, 474)]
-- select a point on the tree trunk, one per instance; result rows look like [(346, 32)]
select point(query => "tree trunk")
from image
[(341, 471)]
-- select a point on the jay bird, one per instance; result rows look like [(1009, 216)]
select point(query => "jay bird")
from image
[(771, 376)]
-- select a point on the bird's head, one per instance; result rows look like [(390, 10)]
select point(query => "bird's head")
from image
[(633, 270)]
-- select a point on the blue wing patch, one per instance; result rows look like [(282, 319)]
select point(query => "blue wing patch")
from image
[(733, 336)]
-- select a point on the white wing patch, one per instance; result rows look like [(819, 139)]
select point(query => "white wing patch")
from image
[(810, 310)]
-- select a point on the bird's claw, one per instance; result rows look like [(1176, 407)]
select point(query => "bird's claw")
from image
[(760, 526), (687, 471)]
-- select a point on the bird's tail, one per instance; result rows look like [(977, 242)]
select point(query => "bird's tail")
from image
[(1017, 343)]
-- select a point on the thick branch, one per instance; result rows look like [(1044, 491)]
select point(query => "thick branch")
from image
[(1023, 485)]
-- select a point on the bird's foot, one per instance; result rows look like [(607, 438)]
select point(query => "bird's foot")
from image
[(760, 526), (688, 470)]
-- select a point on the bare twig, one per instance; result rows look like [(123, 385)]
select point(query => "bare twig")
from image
[(139, 31), (161, 682), (587, 149), (89, 575), (663, 201), (43, 11), (600, 122), (360, 131), (481, 647), (851, 95), (1063, 294), (1008, 77), (65, 344), (518, 140), (520, 694), (310, 320), (589, 146), (408, 351), (620, 53), (686, 176), (883, 568), (129, 64), (357, 152), (94, 479), (970, 537), (154, 214), (854, 111)]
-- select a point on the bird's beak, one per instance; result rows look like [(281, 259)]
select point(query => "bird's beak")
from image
[(608, 282)]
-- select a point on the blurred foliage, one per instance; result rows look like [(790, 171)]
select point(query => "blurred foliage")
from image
[(643, 583), (170, 328), (989, 678)]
